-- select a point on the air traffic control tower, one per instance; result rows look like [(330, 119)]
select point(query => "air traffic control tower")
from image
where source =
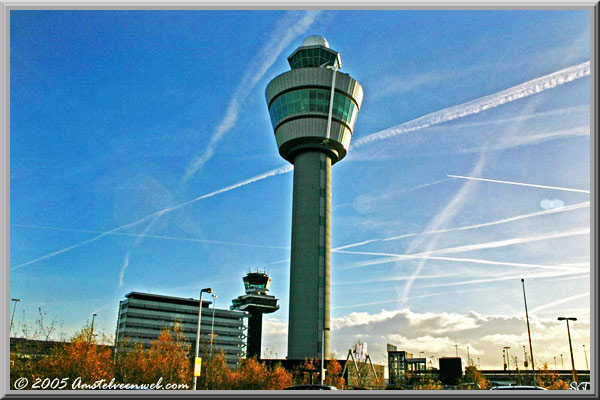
[(313, 133), (257, 302)]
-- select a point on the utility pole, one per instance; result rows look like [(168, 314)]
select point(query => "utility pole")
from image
[(573, 371)]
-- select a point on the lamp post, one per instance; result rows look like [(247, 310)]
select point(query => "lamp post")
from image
[(555, 367), (196, 360), (92, 327), (468, 358), (13, 313), (570, 346), (323, 355), (506, 348), (562, 362), (587, 366), (212, 326), (528, 333)]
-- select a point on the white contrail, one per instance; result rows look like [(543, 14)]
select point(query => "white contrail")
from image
[(520, 184), (525, 89), (123, 268), (508, 242), (504, 278), (288, 29), (143, 235), (396, 257), (562, 76), (576, 206), (395, 193), (410, 298), (138, 240), (559, 302), (256, 178), (453, 207)]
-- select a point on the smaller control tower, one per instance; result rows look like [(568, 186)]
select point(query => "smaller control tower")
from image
[(257, 302)]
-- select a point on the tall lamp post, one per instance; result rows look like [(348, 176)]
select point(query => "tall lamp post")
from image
[(212, 325), (528, 334), (506, 348), (323, 356), (197, 360), (13, 313), (468, 358), (570, 346), (92, 328), (587, 366)]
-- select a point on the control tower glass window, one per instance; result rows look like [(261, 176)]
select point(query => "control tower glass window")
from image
[(313, 101), (316, 57)]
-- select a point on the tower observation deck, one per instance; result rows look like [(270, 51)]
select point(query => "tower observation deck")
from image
[(313, 126), (257, 302)]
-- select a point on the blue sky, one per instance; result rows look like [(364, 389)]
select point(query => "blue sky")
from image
[(142, 158)]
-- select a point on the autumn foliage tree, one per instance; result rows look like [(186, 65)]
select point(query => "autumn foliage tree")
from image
[(550, 379), (254, 375), (334, 376), (167, 358), (473, 375), (215, 375), (80, 358)]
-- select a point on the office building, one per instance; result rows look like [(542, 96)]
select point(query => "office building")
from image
[(142, 316)]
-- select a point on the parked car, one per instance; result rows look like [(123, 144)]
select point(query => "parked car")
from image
[(518, 388), (311, 387)]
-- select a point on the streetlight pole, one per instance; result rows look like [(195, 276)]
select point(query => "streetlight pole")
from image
[(468, 358), (562, 362), (212, 326), (323, 355), (528, 333), (92, 327), (555, 367), (587, 366), (13, 313), (196, 360), (574, 372), (507, 359)]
